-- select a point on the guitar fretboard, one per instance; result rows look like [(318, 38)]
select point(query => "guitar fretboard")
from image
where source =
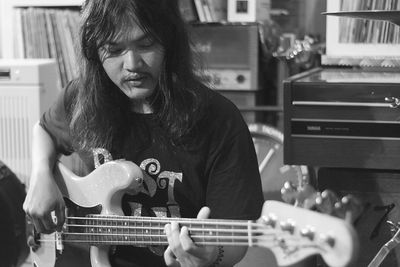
[(130, 230)]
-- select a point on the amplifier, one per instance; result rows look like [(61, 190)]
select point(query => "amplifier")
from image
[(229, 53), (342, 118), (28, 87)]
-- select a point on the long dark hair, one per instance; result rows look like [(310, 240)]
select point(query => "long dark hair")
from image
[(99, 114)]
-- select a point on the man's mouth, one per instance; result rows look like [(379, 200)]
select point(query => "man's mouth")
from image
[(135, 79)]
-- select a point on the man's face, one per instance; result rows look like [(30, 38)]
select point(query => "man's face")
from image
[(133, 62)]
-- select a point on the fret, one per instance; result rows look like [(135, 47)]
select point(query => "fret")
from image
[(106, 229), (141, 230), (85, 229), (91, 229), (160, 232), (220, 233), (232, 234), (145, 230), (96, 230), (129, 231), (212, 233), (100, 224), (109, 231), (137, 239), (153, 231), (115, 231), (202, 231), (125, 231)]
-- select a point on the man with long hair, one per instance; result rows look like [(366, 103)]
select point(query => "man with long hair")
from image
[(139, 96)]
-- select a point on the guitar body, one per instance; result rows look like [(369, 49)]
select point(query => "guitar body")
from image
[(99, 192), (47, 256)]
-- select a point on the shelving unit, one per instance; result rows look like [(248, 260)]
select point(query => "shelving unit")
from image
[(356, 54), (7, 25)]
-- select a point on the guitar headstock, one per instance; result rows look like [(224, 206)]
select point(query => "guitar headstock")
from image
[(327, 202), (294, 233)]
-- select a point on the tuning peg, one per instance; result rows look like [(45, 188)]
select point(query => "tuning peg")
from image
[(352, 207), (289, 192), (394, 227), (270, 220), (339, 210), (288, 226), (325, 201), (306, 196), (328, 239), (308, 232)]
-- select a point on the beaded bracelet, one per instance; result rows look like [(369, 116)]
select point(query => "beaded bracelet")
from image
[(219, 257)]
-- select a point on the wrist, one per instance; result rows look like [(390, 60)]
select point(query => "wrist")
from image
[(41, 170)]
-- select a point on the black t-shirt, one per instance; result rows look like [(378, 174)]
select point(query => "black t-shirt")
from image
[(217, 169)]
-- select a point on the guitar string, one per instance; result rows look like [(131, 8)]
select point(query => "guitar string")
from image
[(229, 226), (136, 227), (191, 229), (167, 220), (197, 239), (159, 220), (109, 231), (143, 243), (256, 235)]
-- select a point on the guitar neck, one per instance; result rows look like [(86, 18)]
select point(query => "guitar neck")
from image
[(145, 231)]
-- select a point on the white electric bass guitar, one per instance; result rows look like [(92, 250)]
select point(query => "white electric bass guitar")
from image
[(291, 233)]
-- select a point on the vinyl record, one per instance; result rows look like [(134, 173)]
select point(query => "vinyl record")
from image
[(392, 16)]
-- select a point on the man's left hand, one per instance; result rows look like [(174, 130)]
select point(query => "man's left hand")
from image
[(182, 251)]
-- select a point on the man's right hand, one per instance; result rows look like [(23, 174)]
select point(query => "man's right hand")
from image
[(42, 199)]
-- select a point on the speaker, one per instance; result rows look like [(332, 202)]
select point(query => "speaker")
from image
[(229, 53)]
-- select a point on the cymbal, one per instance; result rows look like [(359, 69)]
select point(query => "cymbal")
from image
[(392, 16)]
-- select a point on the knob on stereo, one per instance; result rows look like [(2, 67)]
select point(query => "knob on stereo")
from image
[(240, 78)]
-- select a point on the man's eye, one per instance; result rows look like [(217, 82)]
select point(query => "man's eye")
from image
[(147, 43), (114, 50)]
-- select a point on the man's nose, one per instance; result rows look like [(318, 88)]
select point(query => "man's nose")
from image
[(132, 60)]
